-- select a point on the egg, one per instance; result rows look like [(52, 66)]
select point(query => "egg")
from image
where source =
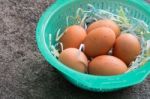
[(73, 37), (99, 41), (74, 59), (127, 47), (105, 23), (107, 65)]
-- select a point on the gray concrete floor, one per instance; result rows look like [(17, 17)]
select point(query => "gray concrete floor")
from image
[(24, 74)]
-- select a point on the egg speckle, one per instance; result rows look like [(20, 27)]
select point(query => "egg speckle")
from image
[(73, 37), (127, 47), (107, 65), (74, 59), (99, 41), (105, 23)]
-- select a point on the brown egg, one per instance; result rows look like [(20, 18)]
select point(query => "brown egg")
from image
[(105, 23), (127, 47), (74, 59), (107, 65), (99, 41), (73, 37)]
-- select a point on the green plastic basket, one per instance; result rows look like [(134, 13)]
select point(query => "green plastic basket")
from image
[(55, 17)]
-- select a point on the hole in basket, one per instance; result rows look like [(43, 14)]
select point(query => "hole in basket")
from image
[(102, 5)]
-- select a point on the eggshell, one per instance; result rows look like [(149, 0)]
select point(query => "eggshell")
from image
[(127, 47), (107, 65), (99, 41), (73, 37), (105, 23), (74, 59)]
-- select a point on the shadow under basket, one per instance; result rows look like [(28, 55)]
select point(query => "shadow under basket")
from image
[(55, 17)]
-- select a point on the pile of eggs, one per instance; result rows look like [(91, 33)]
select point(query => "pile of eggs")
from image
[(107, 51)]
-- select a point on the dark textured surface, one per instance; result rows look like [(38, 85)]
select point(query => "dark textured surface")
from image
[(24, 74)]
